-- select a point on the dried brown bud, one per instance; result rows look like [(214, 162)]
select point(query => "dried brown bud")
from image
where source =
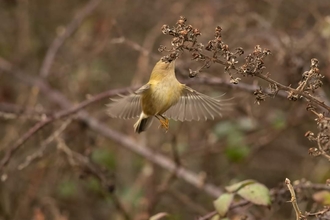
[(314, 152), (197, 32), (218, 28), (182, 20), (234, 80), (183, 32), (195, 56), (165, 29), (189, 28), (193, 73), (292, 96), (266, 52), (314, 63), (209, 45), (310, 135), (239, 51)]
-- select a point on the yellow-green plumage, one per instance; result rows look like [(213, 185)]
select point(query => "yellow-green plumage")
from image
[(164, 96)]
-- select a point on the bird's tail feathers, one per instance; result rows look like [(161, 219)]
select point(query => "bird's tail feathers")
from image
[(142, 124)]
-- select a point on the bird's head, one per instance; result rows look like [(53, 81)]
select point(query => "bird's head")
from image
[(165, 65), (163, 69)]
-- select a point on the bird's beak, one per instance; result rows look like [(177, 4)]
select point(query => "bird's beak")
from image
[(172, 64)]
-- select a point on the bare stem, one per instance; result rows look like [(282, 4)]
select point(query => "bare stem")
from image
[(293, 200)]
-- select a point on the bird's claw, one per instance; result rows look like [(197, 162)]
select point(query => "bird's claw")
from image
[(164, 123)]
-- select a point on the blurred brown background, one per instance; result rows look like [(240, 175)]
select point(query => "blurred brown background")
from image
[(82, 48)]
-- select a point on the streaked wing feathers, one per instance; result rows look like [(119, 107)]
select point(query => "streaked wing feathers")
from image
[(193, 105), (127, 107)]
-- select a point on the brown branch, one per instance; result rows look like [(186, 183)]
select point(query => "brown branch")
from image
[(154, 200), (64, 113), (233, 206), (319, 213), (142, 150), (76, 159), (187, 201), (216, 81), (155, 158), (133, 45), (294, 200), (323, 153), (295, 91), (44, 145), (120, 207), (10, 116), (18, 110), (21, 141), (83, 161), (66, 33), (56, 96)]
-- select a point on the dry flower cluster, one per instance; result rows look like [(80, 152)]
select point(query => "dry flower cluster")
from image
[(185, 38)]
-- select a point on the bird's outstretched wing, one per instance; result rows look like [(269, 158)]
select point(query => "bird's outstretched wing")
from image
[(193, 105), (128, 106)]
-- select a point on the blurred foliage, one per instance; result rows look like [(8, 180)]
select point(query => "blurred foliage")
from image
[(67, 189)]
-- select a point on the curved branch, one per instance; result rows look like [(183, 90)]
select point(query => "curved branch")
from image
[(68, 31), (64, 113), (142, 150)]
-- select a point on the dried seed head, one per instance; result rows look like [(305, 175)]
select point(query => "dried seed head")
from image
[(314, 63), (314, 152)]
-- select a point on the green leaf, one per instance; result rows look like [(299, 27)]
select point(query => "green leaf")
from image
[(237, 186), (256, 193), (159, 216), (222, 204)]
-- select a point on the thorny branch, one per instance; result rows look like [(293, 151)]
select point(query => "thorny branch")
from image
[(293, 200), (185, 37)]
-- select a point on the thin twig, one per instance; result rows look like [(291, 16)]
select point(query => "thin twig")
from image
[(169, 179), (64, 113), (76, 159), (293, 200), (18, 110), (187, 201), (66, 33), (319, 213), (233, 206), (306, 95), (126, 141), (321, 148), (45, 144), (11, 116), (120, 207)]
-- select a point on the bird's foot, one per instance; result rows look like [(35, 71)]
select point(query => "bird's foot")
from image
[(164, 123)]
